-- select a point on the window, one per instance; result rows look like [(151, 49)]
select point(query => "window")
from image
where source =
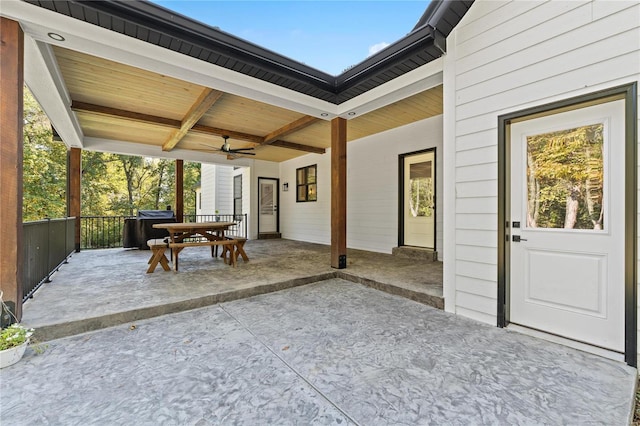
[(237, 195), (307, 187)]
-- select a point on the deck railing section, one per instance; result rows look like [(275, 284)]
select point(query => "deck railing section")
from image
[(46, 245), (238, 230), (99, 232)]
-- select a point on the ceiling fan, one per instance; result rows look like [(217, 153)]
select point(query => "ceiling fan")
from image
[(231, 152)]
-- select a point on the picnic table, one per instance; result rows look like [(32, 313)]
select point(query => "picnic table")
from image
[(194, 234)]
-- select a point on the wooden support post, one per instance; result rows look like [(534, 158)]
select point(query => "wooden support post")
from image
[(11, 119), (74, 175), (179, 190), (339, 193)]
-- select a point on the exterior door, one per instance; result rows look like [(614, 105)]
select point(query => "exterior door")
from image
[(419, 200), (567, 225), (268, 196)]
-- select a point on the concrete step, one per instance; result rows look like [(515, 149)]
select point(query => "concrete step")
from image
[(269, 235), (417, 253)]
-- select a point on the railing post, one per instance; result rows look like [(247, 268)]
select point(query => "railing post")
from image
[(48, 256)]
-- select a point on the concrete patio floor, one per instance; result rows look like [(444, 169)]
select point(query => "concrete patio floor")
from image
[(332, 352), (102, 288), (286, 339)]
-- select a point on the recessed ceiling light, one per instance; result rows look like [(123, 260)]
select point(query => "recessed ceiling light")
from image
[(352, 113), (55, 36), (325, 114)]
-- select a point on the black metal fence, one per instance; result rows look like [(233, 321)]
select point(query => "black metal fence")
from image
[(46, 245), (100, 232), (238, 230)]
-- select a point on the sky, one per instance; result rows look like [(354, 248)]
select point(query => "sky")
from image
[(328, 35)]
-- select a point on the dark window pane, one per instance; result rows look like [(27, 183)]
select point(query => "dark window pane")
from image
[(302, 193)]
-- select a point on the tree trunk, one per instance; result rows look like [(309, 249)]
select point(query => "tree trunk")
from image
[(533, 197), (571, 213)]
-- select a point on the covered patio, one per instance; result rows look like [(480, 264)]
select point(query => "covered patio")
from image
[(323, 350), (102, 288)]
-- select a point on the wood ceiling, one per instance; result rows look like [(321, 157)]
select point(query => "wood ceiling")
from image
[(119, 102)]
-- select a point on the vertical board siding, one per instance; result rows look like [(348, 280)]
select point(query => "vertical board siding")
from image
[(509, 56), (372, 189)]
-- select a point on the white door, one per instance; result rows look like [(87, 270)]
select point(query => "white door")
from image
[(419, 200), (268, 218), (567, 193)]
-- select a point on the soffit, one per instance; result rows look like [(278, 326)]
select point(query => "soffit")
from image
[(162, 27), (106, 86)]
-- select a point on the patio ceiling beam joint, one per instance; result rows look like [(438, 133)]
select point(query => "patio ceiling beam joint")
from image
[(205, 101), (287, 129), (197, 128)]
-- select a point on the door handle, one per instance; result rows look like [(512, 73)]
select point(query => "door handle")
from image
[(517, 238)]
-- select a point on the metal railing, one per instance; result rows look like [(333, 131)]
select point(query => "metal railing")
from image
[(99, 232), (238, 230), (46, 245)]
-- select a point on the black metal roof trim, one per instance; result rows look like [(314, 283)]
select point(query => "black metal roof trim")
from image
[(157, 25)]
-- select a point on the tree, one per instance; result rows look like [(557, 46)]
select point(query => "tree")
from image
[(44, 165), (565, 178), (112, 184)]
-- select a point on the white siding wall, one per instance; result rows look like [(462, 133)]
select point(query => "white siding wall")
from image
[(224, 189), (245, 172), (372, 189), (208, 188), (310, 221), (507, 56), (216, 186)]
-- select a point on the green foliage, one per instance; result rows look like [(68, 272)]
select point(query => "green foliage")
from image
[(112, 184), (44, 165), (565, 178), (14, 335), (421, 197)]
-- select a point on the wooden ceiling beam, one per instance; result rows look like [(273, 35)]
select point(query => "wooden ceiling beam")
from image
[(205, 101), (297, 146), (247, 137), (294, 126), (197, 128), (128, 115)]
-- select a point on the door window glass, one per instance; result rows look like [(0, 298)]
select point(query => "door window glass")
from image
[(421, 189), (266, 199), (565, 179)]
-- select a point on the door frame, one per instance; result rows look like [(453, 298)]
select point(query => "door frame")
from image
[(277, 194), (628, 93), (401, 158)]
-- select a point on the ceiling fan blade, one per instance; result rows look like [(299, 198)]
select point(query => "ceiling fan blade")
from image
[(241, 149)]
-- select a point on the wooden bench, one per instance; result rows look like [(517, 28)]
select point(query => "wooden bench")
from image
[(227, 245), (158, 247), (237, 248)]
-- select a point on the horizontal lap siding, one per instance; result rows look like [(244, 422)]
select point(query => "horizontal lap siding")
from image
[(372, 189), (510, 56), (208, 188), (224, 189), (306, 221)]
